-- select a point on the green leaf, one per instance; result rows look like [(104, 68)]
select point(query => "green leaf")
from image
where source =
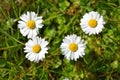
[(64, 5), (2, 62)]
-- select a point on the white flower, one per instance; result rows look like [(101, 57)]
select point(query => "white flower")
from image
[(73, 47), (36, 48), (30, 24), (92, 23), (66, 78)]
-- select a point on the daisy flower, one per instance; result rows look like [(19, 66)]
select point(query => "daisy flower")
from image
[(36, 48), (73, 47), (92, 23), (29, 24)]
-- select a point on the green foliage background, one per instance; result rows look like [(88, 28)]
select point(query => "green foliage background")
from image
[(61, 17)]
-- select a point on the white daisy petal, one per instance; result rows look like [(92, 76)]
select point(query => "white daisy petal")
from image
[(30, 34), (24, 18), (25, 31), (36, 51), (34, 33), (28, 55), (33, 15), (68, 55), (72, 47), (92, 23), (32, 22), (29, 14), (21, 24), (32, 57)]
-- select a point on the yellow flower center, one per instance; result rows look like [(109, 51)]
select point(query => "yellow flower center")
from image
[(36, 48), (31, 24), (73, 47), (92, 23)]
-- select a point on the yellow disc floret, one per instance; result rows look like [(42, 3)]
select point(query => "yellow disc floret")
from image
[(36, 48), (73, 47), (31, 24), (92, 23)]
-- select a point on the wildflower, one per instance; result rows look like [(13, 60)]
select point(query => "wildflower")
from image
[(29, 24), (36, 48), (66, 78), (73, 47), (92, 23)]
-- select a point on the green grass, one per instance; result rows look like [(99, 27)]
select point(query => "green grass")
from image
[(61, 17)]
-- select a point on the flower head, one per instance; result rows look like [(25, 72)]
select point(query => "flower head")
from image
[(36, 48), (73, 47), (92, 23), (30, 24)]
